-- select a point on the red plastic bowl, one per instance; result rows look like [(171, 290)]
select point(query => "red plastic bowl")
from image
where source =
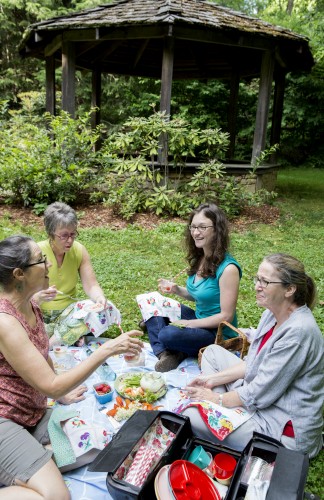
[(188, 482)]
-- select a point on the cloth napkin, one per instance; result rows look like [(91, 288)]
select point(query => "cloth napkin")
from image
[(154, 304), (83, 317)]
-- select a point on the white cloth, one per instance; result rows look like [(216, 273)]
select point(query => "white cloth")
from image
[(97, 318), (154, 304)]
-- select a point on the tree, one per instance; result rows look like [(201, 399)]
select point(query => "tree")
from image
[(205, 103), (17, 75)]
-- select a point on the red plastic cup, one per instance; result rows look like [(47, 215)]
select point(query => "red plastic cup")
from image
[(223, 467)]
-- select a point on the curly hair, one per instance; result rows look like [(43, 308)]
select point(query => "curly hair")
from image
[(219, 242)]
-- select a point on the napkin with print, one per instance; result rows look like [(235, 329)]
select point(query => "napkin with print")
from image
[(154, 304)]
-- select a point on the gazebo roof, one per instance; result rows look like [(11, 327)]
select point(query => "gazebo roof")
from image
[(126, 37)]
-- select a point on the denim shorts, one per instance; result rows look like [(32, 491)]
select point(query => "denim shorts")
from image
[(22, 453)]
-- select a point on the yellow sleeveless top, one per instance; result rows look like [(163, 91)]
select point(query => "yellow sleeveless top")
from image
[(64, 277)]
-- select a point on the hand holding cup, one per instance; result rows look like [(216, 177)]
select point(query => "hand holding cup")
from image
[(165, 286)]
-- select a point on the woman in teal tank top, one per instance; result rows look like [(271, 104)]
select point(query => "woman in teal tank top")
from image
[(213, 284)]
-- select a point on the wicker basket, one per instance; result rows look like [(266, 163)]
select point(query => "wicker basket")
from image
[(239, 343)]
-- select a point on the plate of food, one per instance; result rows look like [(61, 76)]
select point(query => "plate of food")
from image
[(95, 307), (138, 386), (125, 408)]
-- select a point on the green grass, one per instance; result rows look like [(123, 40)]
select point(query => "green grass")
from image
[(129, 261)]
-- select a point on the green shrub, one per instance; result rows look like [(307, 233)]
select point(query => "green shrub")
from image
[(138, 182), (48, 159)]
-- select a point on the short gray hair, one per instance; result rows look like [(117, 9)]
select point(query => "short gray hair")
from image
[(59, 214)]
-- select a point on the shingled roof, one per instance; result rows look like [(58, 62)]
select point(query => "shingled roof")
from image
[(195, 12), (126, 35)]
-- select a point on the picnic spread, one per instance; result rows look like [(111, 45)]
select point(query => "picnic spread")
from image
[(81, 482), (103, 445)]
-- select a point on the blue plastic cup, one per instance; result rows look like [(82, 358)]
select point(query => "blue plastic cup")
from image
[(200, 457)]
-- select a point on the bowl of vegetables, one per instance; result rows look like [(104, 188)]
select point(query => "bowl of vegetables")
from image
[(103, 392), (145, 387)]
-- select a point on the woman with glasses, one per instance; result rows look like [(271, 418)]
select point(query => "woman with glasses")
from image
[(27, 377), (281, 382), (70, 261), (213, 284)]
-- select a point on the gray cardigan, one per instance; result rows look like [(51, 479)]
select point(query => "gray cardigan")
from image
[(285, 381)]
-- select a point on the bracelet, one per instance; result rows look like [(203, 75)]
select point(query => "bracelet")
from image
[(220, 401)]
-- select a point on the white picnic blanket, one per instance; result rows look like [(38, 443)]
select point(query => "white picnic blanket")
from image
[(85, 485)]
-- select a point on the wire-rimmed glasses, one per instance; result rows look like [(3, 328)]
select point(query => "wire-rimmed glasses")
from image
[(66, 236), (264, 283)]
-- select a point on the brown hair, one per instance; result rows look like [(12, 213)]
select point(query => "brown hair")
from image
[(219, 244), (292, 272)]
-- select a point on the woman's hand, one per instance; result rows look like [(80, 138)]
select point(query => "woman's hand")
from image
[(45, 295), (101, 299), (166, 286), (74, 396), (201, 393), (203, 381), (183, 323), (126, 342)]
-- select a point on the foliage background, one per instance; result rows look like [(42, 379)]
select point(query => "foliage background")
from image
[(157, 252), (204, 102)]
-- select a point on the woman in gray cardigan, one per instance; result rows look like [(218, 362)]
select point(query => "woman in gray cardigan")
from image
[(282, 379)]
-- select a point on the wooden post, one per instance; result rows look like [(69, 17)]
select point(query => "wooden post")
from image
[(68, 77), (50, 85), (278, 101), (261, 122), (96, 96), (166, 88), (232, 112)]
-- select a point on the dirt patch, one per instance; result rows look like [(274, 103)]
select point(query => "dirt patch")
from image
[(100, 216)]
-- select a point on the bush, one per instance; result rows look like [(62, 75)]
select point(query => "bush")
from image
[(48, 159), (138, 182)]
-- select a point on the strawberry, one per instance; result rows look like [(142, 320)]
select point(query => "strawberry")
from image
[(106, 388), (103, 389)]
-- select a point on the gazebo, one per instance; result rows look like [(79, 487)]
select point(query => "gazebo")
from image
[(171, 39)]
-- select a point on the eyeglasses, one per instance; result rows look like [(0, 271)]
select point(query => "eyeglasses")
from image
[(264, 283), (66, 236), (201, 229), (43, 261)]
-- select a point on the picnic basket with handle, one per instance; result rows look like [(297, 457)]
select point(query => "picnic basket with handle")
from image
[(239, 343)]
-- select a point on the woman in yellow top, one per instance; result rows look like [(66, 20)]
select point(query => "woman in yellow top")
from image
[(70, 261)]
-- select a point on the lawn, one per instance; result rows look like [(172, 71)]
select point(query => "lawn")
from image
[(129, 261)]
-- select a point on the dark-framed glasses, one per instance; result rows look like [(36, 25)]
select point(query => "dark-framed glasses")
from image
[(264, 283), (43, 261), (201, 229), (66, 236)]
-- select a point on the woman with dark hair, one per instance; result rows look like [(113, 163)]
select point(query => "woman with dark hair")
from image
[(213, 284), (281, 382), (70, 262), (27, 377)]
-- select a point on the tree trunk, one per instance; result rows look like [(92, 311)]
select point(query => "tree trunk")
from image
[(290, 6)]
